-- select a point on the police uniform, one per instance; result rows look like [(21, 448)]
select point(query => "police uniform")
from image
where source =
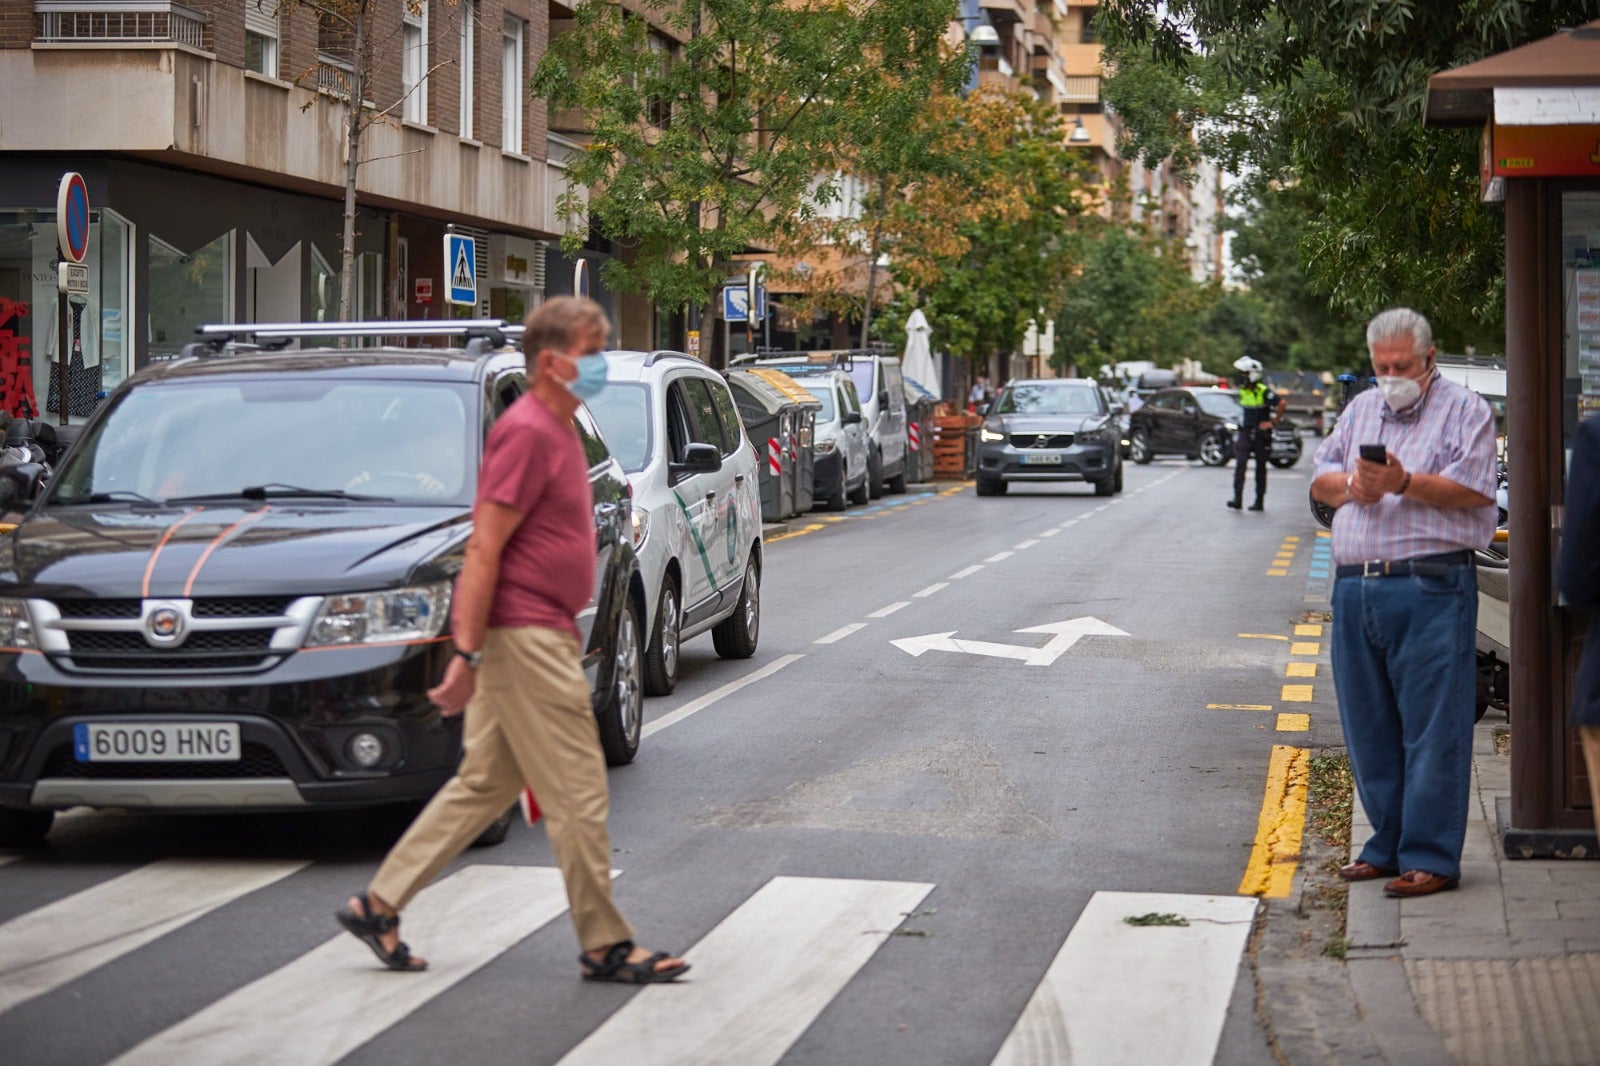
[(1260, 405)]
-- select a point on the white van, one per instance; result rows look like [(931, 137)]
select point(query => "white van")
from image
[(881, 387)]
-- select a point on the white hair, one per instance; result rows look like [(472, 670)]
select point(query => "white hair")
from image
[(1397, 323)]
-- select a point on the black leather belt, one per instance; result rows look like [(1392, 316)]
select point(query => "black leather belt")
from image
[(1422, 566)]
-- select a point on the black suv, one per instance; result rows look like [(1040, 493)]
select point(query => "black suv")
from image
[(235, 592)]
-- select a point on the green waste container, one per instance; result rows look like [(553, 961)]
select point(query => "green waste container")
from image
[(768, 417)]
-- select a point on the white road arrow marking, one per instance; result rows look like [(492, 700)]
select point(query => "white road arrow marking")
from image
[(1063, 636)]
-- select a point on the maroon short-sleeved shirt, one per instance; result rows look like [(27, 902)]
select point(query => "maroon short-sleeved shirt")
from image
[(534, 462)]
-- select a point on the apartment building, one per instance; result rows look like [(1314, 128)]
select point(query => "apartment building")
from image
[(211, 136)]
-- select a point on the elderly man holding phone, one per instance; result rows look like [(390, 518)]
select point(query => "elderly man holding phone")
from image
[(1410, 467)]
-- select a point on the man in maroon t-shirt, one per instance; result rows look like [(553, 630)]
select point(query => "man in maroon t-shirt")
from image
[(517, 670)]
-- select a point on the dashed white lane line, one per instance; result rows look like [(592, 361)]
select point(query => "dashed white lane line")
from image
[(998, 556), (967, 572), (885, 612), (1068, 524), (930, 590), (1120, 992), (1049, 533), (674, 717), (1025, 545), (840, 633)]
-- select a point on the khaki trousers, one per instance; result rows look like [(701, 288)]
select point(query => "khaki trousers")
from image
[(529, 721)]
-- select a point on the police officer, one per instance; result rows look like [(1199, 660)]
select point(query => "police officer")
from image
[(1262, 410)]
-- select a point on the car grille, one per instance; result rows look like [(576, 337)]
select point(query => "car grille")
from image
[(100, 636), (255, 760), (1041, 440)]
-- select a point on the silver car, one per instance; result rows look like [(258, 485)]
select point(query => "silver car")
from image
[(1050, 429)]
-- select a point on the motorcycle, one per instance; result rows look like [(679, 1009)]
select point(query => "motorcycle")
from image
[(33, 449)]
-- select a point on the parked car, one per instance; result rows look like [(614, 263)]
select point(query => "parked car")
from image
[(696, 505), (840, 450), (880, 388), (235, 592), (1050, 429), (1304, 395), (1200, 423)]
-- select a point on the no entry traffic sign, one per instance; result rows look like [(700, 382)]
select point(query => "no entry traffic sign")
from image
[(72, 216)]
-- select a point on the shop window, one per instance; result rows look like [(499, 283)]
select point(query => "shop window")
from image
[(1580, 290), (29, 319), (187, 289)]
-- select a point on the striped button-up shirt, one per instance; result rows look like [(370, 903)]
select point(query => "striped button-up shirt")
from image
[(1449, 432)]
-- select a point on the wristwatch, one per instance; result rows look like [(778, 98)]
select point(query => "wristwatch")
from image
[(474, 658)]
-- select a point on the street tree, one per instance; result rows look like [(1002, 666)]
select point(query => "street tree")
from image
[(354, 35), (989, 238), (703, 150), (1327, 95)]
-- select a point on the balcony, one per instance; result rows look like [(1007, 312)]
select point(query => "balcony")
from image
[(112, 22), (1080, 89)]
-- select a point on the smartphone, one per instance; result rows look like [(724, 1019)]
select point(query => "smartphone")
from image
[(1375, 453)]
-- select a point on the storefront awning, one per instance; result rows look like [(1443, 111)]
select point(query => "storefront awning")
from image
[(1569, 59)]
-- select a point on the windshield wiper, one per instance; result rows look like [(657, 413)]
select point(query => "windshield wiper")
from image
[(277, 490), (115, 496)]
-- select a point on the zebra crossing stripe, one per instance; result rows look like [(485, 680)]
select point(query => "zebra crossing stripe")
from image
[(741, 1007), (1156, 991), (64, 940), (335, 998)]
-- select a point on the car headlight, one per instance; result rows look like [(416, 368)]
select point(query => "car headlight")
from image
[(824, 447), (641, 526), (989, 436), (1231, 427), (16, 625), (415, 613)]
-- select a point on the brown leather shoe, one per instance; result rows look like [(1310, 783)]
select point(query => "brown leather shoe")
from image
[(1419, 883), (1361, 870)]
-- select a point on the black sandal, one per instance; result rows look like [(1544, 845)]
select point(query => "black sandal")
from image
[(616, 967), (368, 927)]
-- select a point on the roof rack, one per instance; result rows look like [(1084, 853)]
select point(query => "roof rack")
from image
[(491, 332), (832, 358)]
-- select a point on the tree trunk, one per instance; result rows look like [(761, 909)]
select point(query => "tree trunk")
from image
[(358, 87)]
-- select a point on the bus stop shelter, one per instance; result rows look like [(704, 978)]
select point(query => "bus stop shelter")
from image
[(1539, 110)]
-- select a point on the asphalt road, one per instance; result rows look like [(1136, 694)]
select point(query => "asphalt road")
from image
[(872, 856)]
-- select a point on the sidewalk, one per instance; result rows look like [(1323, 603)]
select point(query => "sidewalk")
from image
[(1504, 969)]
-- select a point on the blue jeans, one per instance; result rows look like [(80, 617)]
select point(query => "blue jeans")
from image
[(1404, 664)]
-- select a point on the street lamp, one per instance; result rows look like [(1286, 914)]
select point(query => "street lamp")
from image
[(983, 34), (1079, 134)]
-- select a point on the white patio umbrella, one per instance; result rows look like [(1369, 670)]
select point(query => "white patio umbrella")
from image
[(918, 364)]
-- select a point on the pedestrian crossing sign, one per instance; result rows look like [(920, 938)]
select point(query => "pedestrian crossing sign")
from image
[(461, 265)]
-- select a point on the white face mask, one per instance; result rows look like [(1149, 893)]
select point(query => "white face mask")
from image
[(1400, 393)]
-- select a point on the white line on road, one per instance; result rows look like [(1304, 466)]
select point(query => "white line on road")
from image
[(1025, 545), (333, 999), (748, 1007), (1068, 524), (840, 633), (1052, 531), (1136, 993), (930, 590), (998, 556), (709, 698), (61, 942), (968, 572), (885, 612)]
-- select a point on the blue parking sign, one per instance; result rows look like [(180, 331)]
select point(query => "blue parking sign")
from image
[(461, 267), (735, 303)]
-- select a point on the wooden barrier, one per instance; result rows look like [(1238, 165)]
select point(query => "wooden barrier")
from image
[(953, 439)]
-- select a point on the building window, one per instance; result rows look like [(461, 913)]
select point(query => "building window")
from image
[(469, 25), (187, 289), (660, 69), (511, 35), (414, 66), (261, 36)]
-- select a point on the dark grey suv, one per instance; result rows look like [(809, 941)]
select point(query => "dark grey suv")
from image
[(235, 592), (1050, 429)]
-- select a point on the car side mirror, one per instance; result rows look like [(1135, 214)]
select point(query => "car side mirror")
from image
[(1119, 408), (697, 459), (883, 397), (19, 483), (983, 409), (850, 418)]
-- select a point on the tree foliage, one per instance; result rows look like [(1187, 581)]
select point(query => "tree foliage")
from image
[(988, 238), (693, 161), (1328, 95)]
